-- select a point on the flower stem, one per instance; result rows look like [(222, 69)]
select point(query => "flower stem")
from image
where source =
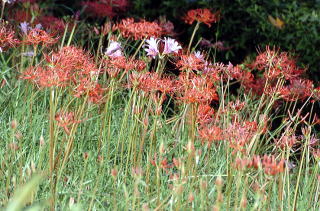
[(193, 34)]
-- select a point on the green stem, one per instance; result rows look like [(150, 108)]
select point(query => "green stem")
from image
[(193, 34)]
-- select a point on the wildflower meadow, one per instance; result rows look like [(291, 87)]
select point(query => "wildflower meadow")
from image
[(101, 110)]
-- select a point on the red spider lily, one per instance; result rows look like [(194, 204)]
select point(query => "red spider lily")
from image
[(20, 15), (45, 77), (271, 166), (7, 39), (38, 36), (69, 67), (190, 62), (196, 89), (98, 9), (151, 82), (202, 15), (120, 4), (268, 163), (114, 65), (205, 114), (298, 89), (204, 95), (88, 87), (246, 163), (287, 141), (167, 27), (277, 65), (316, 154), (236, 105), (104, 8), (241, 164), (316, 93), (66, 120), (138, 30), (239, 134), (52, 24), (161, 163), (210, 133), (72, 60)]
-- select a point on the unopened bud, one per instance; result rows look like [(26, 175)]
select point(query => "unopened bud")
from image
[(191, 197), (85, 155), (114, 173), (14, 124), (41, 141)]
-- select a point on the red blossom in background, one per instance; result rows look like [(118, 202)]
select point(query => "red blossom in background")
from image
[(276, 64), (138, 30), (52, 24), (7, 37), (268, 163), (105, 8), (98, 9), (202, 15)]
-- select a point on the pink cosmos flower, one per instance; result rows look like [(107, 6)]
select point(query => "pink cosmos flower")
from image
[(114, 50), (152, 47), (171, 46)]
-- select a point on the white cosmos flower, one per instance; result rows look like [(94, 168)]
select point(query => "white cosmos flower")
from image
[(152, 47), (171, 46)]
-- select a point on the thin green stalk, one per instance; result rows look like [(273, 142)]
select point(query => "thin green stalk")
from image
[(193, 34)]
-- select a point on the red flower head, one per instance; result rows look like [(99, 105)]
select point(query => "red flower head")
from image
[(7, 39), (298, 89), (138, 30), (271, 166), (202, 15), (190, 62), (98, 9), (210, 134), (52, 24), (37, 36), (66, 120)]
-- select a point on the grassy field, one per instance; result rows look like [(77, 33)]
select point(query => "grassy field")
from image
[(123, 118)]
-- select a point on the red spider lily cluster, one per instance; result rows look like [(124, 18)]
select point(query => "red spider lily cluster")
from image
[(196, 89), (151, 82), (239, 134), (276, 67), (104, 8), (69, 67), (269, 164), (202, 15), (114, 66), (138, 30), (7, 37)]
